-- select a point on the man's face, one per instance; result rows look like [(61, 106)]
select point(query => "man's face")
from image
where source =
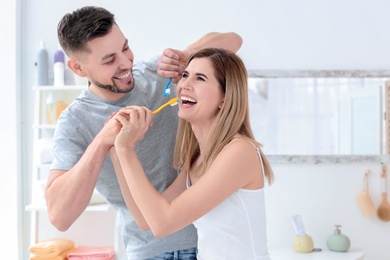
[(109, 64)]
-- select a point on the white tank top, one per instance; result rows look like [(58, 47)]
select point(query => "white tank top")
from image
[(236, 228)]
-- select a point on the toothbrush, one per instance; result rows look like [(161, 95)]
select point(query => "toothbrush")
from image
[(172, 102), (167, 91)]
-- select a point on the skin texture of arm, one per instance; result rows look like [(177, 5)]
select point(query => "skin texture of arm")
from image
[(68, 192), (237, 166), (172, 62), (228, 41), (177, 187)]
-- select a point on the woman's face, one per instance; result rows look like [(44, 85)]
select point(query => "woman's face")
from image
[(199, 92)]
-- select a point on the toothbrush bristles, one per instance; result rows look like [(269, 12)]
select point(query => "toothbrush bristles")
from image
[(167, 90)]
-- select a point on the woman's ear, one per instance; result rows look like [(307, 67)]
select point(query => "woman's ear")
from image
[(221, 104), (74, 65)]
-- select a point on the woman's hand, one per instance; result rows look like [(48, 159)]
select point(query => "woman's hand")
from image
[(135, 122)]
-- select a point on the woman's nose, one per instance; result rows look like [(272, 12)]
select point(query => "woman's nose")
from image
[(185, 85)]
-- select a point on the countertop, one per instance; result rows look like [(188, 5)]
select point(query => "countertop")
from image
[(324, 254)]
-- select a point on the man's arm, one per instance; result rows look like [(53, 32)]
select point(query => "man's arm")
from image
[(172, 62), (229, 41), (68, 193)]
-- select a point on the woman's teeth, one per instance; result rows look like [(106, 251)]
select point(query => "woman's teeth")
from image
[(186, 100)]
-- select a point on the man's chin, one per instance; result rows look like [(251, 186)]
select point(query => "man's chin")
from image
[(115, 88)]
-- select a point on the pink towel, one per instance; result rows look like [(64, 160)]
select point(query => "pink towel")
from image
[(92, 253)]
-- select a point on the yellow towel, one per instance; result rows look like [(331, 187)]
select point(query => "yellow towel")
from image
[(62, 256), (51, 248)]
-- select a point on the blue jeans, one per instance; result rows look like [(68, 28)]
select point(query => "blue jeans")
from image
[(184, 254)]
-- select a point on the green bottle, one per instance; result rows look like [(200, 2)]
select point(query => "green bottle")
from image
[(338, 242)]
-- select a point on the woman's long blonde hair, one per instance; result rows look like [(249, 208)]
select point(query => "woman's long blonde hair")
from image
[(232, 119)]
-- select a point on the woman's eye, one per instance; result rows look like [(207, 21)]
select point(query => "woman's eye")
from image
[(184, 75), (201, 78)]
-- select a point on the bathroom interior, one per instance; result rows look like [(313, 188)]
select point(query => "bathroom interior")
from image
[(319, 78)]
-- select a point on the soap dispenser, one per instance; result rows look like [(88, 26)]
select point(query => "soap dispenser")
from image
[(338, 242)]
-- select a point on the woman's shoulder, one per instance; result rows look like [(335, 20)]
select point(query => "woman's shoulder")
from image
[(239, 149), (242, 142)]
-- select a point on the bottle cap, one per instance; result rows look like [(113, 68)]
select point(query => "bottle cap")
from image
[(59, 55)]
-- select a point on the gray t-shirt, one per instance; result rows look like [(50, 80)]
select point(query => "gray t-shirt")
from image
[(84, 118)]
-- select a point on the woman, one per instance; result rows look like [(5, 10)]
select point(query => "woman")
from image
[(220, 186)]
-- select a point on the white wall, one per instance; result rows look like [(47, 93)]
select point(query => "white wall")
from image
[(325, 195), (279, 34), (10, 128)]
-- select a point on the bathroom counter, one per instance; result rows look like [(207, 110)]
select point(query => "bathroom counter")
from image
[(325, 254)]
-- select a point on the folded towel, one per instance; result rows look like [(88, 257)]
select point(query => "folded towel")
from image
[(52, 247), (62, 256), (92, 252)]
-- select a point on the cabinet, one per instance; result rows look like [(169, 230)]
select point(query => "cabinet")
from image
[(49, 101)]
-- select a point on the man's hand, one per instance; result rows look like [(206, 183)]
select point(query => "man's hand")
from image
[(171, 64), (110, 130), (134, 122)]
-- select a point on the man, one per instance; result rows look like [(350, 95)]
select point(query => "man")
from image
[(98, 50)]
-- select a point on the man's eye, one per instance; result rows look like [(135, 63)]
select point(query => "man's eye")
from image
[(110, 61)]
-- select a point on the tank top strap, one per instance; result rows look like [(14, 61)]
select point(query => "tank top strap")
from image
[(257, 151), (188, 181)]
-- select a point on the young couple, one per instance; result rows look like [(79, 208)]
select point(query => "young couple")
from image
[(220, 185)]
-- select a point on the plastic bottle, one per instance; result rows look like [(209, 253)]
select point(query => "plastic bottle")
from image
[(338, 242), (50, 110), (42, 65), (59, 68)]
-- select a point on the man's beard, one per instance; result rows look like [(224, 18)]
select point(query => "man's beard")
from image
[(112, 88)]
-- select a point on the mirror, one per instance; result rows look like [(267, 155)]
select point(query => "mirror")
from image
[(318, 115)]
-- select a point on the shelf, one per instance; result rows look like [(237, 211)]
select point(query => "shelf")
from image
[(44, 126), (42, 165), (96, 207), (42, 153), (55, 88)]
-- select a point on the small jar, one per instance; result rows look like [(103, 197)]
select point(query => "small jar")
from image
[(303, 244), (338, 242)]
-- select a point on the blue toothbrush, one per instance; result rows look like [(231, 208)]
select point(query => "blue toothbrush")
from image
[(167, 91)]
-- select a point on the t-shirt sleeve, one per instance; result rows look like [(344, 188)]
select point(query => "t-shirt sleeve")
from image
[(68, 146)]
